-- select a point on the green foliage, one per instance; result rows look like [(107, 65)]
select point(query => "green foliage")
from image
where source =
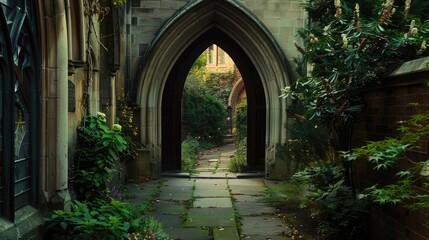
[(387, 154), (320, 176), (205, 97), (339, 212), (104, 220), (125, 118), (197, 74), (241, 121), (382, 153), (190, 148), (320, 11), (239, 162), (97, 153), (308, 143), (221, 85), (201, 62), (118, 3), (204, 113), (291, 194), (344, 54)]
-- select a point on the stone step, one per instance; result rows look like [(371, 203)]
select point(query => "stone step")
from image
[(211, 175), (229, 138), (211, 169)]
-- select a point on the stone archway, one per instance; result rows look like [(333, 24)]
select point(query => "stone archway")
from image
[(238, 92), (171, 114), (168, 59)]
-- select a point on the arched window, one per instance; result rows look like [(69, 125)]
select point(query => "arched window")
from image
[(19, 107)]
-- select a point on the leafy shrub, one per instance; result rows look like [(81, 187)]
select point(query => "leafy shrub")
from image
[(204, 114), (190, 148), (339, 212), (320, 176), (308, 143), (151, 230), (125, 117), (104, 220), (352, 46), (97, 153), (241, 121), (239, 162), (220, 85), (391, 154)]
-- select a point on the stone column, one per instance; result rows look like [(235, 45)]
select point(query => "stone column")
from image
[(56, 78), (112, 116), (62, 114)]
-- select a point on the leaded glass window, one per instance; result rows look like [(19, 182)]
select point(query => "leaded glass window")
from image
[(1, 133), (221, 56), (211, 57), (19, 94)]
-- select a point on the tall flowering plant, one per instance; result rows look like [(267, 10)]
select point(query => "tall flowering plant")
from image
[(98, 151), (342, 56)]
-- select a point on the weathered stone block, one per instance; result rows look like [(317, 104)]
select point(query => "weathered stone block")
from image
[(150, 4), (140, 166), (170, 4), (150, 22)]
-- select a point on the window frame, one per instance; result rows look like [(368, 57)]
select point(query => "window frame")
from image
[(24, 24)]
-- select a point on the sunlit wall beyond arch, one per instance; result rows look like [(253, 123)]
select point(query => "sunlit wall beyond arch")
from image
[(237, 94), (247, 34)]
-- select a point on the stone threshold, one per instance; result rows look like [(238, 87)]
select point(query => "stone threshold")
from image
[(209, 175)]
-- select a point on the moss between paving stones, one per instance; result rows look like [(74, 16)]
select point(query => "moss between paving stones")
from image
[(210, 217), (208, 193), (188, 233), (212, 203), (169, 208)]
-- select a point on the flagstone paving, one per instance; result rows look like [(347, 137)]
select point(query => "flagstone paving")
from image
[(212, 204), (213, 209)]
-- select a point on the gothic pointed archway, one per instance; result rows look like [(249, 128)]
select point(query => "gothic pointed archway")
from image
[(171, 118), (170, 57)]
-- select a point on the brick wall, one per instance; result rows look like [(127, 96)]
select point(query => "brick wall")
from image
[(386, 104)]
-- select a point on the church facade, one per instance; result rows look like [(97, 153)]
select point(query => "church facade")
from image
[(61, 60)]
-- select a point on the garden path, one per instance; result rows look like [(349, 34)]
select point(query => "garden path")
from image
[(212, 208), (214, 161)]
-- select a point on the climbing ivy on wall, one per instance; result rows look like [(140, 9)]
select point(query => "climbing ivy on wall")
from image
[(221, 85)]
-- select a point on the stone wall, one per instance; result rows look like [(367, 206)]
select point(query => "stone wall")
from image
[(282, 17), (387, 104)]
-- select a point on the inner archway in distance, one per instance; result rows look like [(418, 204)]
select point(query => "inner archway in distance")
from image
[(169, 58)]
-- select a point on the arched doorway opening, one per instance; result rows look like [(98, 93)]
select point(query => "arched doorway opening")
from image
[(169, 58), (236, 97), (172, 95)]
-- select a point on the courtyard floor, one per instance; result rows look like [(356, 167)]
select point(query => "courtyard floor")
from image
[(217, 209), (212, 204)]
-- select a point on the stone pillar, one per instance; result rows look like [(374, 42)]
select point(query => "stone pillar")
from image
[(112, 109), (61, 77), (94, 94)]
